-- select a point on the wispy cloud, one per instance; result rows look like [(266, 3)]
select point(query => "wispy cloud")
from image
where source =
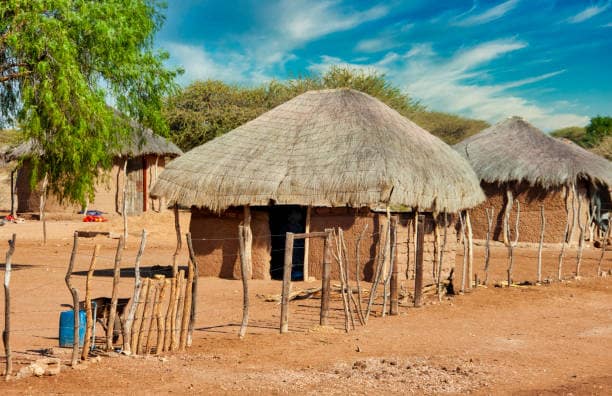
[(376, 44), (588, 13), (489, 15), (444, 84)]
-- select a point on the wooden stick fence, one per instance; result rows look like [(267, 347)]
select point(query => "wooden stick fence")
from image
[(6, 333)]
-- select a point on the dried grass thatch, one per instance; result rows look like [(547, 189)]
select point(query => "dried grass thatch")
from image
[(516, 151), (324, 148)]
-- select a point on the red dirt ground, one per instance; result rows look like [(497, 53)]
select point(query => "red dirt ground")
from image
[(549, 339)]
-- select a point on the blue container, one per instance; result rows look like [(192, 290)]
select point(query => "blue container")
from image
[(66, 328)]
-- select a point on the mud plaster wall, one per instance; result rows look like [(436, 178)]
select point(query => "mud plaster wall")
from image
[(218, 253), (530, 199), (108, 196)]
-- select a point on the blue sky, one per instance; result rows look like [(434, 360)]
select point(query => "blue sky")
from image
[(547, 61)]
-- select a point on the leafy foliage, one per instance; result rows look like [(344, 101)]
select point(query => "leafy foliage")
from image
[(60, 62), (599, 128), (597, 136), (208, 109)]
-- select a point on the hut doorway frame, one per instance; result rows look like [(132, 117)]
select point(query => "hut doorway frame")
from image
[(284, 219)]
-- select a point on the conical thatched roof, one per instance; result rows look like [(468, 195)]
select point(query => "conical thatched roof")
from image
[(142, 141), (515, 151), (324, 148)]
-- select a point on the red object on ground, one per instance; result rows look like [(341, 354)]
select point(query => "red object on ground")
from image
[(94, 219)]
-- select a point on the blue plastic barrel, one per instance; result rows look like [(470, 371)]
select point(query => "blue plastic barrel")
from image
[(66, 328)]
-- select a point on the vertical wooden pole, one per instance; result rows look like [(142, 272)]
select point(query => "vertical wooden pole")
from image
[(464, 241), (542, 230), (170, 313), (325, 279), (245, 282), (487, 252), (194, 289), (416, 237), (507, 210), (89, 315), (284, 321), (129, 320), (350, 289), (186, 307), (248, 242), (306, 270), (565, 236), (604, 243), (180, 300), (145, 186), (138, 330), (155, 286), (13, 211), (160, 322), (581, 237), (514, 243), (418, 277), (573, 223), (43, 203), (179, 243), (110, 328), (470, 240), (6, 333), (75, 301), (441, 262), (345, 304), (124, 210), (394, 287), (392, 248), (382, 250), (358, 272)]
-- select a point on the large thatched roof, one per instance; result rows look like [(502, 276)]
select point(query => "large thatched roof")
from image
[(141, 141), (516, 151), (324, 148)]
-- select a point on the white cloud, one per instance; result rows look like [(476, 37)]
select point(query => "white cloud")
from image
[(443, 84), (588, 13), (489, 15), (375, 44)]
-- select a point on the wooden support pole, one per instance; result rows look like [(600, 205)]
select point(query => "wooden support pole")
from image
[(391, 252), (506, 220), (138, 330), (180, 300), (179, 243), (325, 279), (382, 250), (284, 320), (194, 289), (464, 242), (604, 243), (394, 279), (186, 307), (158, 316), (89, 314), (110, 328), (570, 236), (75, 300), (565, 236), (43, 203), (6, 333), (441, 261), (129, 320), (306, 270), (124, 199), (416, 239), (358, 273), (350, 289), (514, 243), (581, 237), (245, 282), (170, 313), (386, 273), (418, 265), (343, 286), (470, 245), (13, 210), (542, 230), (155, 286), (487, 252), (248, 242)]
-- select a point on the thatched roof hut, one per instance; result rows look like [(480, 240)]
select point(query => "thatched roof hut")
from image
[(516, 151), (514, 157), (318, 161), (324, 148)]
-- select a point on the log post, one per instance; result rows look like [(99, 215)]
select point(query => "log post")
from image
[(470, 245), (194, 289), (6, 333), (358, 273), (512, 244), (325, 278), (350, 289), (416, 240), (186, 307), (464, 241), (542, 230), (284, 320), (570, 236), (487, 252), (306, 270), (382, 250), (179, 243), (343, 285), (110, 328), (394, 287), (138, 330), (155, 286), (565, 236), (506, 221), (180, 300), (89, 315), (248, 242), (75, 301), (581, 237), (418, 278), (245, 282), (604, 243), (43, 203), (160, 322), (170, 313), (129, 320), (124, 203), (441, 262), (13, 210)]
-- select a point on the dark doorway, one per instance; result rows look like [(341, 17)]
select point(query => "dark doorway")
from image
[(283, 219)]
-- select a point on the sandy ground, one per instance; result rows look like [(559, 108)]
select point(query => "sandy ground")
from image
[(549, 339)]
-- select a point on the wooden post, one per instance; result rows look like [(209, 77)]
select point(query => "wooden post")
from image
[(75, 301), (155, 286), (464, 241), (137, 331), (43, 203), (570, 237), (343, 286), (89, 315), (110, 328), (441, 262), (170, 313), (13, 211), (542, 230), (358, 272), (581, 238), (186, 307), (179, 300), (248, 242), (565, 235), (394, 287), (245, 282), (129, 320), (379, 270), (604, 243), (512, 244), (470, 241), (306, 269), (145, 187), (124, 210), (506, 221), (160, 322), (179, 243), (284, 320), (325, 278), (418, 265), (6, 333), (350, 289), (194, 289), (487, 253)]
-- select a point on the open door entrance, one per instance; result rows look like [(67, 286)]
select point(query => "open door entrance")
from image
[(284, 219)]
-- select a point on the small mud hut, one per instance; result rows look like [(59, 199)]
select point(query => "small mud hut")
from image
[(135, 168), (516, 161), (321, 160)]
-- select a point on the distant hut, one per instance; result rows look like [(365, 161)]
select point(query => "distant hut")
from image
[(323, 159), (515, 159), (145, 153)]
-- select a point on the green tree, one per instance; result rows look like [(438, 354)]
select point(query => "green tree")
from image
[(599, 128), (61, 62)]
